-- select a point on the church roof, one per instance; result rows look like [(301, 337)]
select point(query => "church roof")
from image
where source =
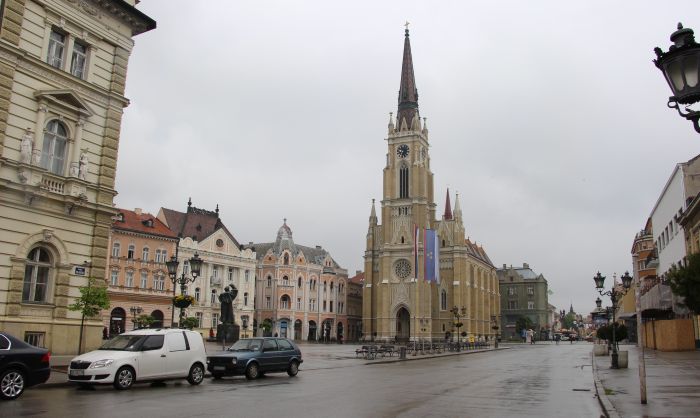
[(196, 223), (408, 93), (478, 252)]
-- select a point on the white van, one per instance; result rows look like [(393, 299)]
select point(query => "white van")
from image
[(148, 354)]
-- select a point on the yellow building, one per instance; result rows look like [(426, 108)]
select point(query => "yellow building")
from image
[(62, 75), (398, 302)]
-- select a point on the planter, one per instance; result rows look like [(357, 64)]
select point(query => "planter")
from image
[(182, 304), (600, 349), (623, 359)]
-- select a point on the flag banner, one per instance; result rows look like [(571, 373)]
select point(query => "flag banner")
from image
[(415, 251), (430, 255)]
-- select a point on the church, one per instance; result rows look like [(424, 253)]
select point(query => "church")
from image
[(424, 280)]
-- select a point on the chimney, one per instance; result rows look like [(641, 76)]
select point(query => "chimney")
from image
[(138, 211), (526, 266), (318, 247)]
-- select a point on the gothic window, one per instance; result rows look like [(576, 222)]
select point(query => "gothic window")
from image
[(403, 182), (53, 153), (37, 272), (443, 300)]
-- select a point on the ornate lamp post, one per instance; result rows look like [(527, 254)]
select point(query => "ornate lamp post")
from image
[(458, 313), (615, 296), (681, 68), (135, 310), (183, 280)]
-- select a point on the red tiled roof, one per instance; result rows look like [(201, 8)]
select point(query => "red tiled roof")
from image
[(359, 278), (196, 223), (144, 223)]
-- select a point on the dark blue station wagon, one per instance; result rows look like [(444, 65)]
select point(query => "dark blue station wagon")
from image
[(255, 356)]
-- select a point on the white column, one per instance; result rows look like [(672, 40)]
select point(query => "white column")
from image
[(39, 132), (76, 143)]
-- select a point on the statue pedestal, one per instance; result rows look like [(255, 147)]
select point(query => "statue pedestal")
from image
[(228, 332)]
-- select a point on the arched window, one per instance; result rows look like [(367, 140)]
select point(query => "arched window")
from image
[(245, 299), (213, 296), (53, 153), (196, 294), (269, 281), (299, 282), (36, 275), (331, 286), (443, 300), (116, 248), (285, 302), (285, 281), (144, 254), (286, 259), (403, 182)]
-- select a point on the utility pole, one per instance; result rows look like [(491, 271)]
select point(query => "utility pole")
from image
[(640, 343)]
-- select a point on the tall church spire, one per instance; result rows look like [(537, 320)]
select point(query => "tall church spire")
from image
[(408, 94), (458, 208), (373, 215), (448, 208)]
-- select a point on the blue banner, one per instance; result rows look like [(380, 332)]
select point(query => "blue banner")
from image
[(431, 256)]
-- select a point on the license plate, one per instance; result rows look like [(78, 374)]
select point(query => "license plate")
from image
[(219, 367), (77, 372)]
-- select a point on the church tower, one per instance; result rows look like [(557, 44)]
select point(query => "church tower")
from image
[(398, 303)]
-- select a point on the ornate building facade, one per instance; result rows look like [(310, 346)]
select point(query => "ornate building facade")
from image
[(137, 278), (62, 77), (301, 291), (398, 302), (225, 263)]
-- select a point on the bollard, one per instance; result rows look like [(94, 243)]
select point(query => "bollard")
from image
[(402, 352)]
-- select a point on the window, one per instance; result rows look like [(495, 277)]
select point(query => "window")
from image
[(129, 279), (78, 60), (299, 282), (53, 153), (298, 304), (196, 294), (230, 274), (285, 281), (312, 304), (36, 276), (512, 304), (331, 286), (114, 278), (268, 304), (269, 345), (213, 296), (245, 299), (403, 182), (247, 276), (531, 305), (185, 266), (34, 338), (285, 345), (158, 257), (144, 254), (330, 306), (115, 249), (4, 343), (158, 281), (286, 259), (530, 290), (443, 300), (511, 291), (198, 315), (214, 320), (130, 252), (269, 281), (176, 342), (324, 306), (215, 271), (144, 279), (164, 254), (284, 302), (57, 43)]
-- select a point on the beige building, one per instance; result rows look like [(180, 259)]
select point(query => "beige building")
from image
[(398, 302), (301, 291), (62, 75), (225, 263), (137, 278)]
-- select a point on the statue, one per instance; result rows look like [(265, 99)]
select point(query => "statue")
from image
[(226, 299), (83, 165), (25, 148)]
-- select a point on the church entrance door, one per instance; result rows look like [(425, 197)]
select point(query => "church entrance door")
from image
[(403, 325)]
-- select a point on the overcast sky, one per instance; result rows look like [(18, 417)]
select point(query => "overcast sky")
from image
[(548, 117)]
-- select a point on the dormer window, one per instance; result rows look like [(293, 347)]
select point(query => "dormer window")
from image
[(148, 223), (120, 217)]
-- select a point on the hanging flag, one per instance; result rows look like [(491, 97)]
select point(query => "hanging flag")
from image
[(431, 256), (415, 251)]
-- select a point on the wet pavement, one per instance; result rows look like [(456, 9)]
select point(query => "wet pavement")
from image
[(673, 384), (543, 380)]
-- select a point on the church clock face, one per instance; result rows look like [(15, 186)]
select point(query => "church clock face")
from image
[(402, 151), (402, 268)]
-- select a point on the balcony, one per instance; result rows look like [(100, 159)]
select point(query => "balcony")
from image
[(656, 296)]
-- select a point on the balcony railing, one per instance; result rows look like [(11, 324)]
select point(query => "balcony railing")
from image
[(52, 184)]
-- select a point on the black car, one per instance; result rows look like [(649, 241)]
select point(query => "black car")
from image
[(255, 356), (21, 366)]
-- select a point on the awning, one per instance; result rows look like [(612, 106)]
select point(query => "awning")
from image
[(627, 315)]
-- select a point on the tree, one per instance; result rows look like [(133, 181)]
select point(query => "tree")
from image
[(522, 323), (568, 321), (190, 322), (91, 301), (605, 332), (144, 321), (266, 325), (685, 282)]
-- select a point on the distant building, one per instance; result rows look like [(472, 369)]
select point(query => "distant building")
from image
[(354, 299), (63, 66), (225, 263), (301, 291), (137, 278), (524, 293)]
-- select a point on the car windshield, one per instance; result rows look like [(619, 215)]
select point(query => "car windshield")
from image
[(246, 345), (123, 343)]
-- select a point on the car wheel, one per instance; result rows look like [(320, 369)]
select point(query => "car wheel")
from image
[(11, 384), (293, 368), (252, 371), (196, 374), (124, 378)]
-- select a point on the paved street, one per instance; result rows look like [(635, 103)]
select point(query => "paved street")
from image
[(543, 380)]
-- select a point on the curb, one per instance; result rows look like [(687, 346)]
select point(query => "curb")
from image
[(412, 358), (605, 404)]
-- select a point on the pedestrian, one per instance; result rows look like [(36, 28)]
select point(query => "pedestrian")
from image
[(105, 336)]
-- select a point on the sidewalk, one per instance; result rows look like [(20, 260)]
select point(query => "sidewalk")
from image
[(673, 384), (316, 356)]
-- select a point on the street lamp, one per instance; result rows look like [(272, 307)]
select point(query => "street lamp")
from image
[(195, 268), (615, 296), (681, 68), (135, 310), (458, 313)]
